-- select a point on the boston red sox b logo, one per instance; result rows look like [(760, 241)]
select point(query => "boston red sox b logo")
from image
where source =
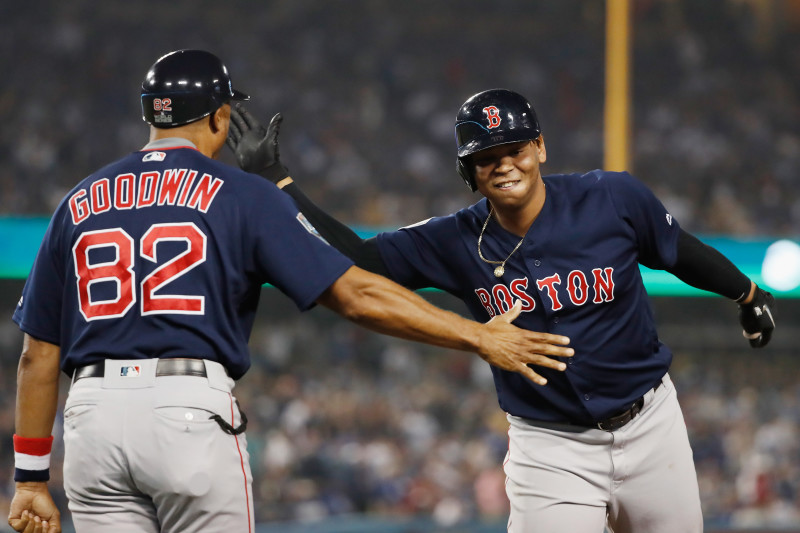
[(493, 114)]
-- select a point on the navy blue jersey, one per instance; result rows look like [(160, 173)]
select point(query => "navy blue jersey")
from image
[(163, 254), (577, 274)]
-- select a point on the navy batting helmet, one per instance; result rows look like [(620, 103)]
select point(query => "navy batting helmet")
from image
[(490, 118), (184, 86)]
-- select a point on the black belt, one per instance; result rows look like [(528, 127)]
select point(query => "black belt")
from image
[(165, 367), (617, 421), (170, 367)]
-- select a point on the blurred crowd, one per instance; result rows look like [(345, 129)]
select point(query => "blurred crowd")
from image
[(346, 422), (369, 91), (354, 422)]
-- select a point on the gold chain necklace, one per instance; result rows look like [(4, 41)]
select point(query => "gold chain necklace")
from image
[(500, 269)]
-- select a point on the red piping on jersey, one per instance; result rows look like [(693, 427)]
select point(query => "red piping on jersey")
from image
[(244, 473)]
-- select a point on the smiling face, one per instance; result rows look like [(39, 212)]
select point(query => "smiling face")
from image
[(508, 175)]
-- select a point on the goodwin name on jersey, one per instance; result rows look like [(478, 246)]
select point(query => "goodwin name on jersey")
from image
[(174, 187), (167, 239)]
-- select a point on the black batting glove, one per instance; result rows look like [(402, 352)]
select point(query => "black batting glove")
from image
[(756, 318), (256, 148)]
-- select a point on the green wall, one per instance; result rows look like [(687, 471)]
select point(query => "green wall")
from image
[(20, 238)]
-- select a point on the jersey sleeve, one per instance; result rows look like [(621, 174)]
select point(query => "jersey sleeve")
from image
[(416, 255), (38, 312), (288, 252), (655, 229)]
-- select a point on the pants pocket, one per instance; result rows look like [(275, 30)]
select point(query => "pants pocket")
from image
[(188, 417)]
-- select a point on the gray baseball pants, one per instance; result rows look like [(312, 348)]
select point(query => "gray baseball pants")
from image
[(637, 479), (142, 455)]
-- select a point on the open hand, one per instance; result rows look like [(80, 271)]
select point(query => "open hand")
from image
[(256, 148), (513, 349)]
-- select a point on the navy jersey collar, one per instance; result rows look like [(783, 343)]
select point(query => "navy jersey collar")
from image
[(539, 230)]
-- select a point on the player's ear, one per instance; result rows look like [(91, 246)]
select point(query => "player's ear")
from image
[(219, 119), (538, 144)]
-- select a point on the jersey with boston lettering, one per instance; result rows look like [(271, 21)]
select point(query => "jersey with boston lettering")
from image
[(576, 273), (163, 254)]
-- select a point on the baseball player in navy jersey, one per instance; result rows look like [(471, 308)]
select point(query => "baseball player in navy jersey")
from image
[(604, 443), (144, 292)]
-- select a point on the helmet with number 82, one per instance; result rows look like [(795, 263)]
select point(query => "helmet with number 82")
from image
[(184, 86)]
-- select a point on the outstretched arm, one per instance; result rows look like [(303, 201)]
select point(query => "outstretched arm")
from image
[(705, 268), (380, 304), (257, 151), (386, 307), (364, 252)]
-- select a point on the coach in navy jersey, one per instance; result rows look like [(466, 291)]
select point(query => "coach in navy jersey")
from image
[(603, 443), (144, 292)]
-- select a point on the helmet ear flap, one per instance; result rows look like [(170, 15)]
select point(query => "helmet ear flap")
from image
[(466, 173)]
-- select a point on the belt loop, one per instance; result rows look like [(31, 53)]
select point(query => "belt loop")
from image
[(636, 408), (218, 377)]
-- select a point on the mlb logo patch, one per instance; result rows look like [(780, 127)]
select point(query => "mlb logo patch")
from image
[(154, 156), (130, 371)]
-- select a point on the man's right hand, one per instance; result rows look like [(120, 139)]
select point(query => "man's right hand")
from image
[(256, 148), (757, 319), (511, 348), (32, 510)]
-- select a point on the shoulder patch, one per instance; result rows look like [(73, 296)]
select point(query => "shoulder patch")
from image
[(310, 227)]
